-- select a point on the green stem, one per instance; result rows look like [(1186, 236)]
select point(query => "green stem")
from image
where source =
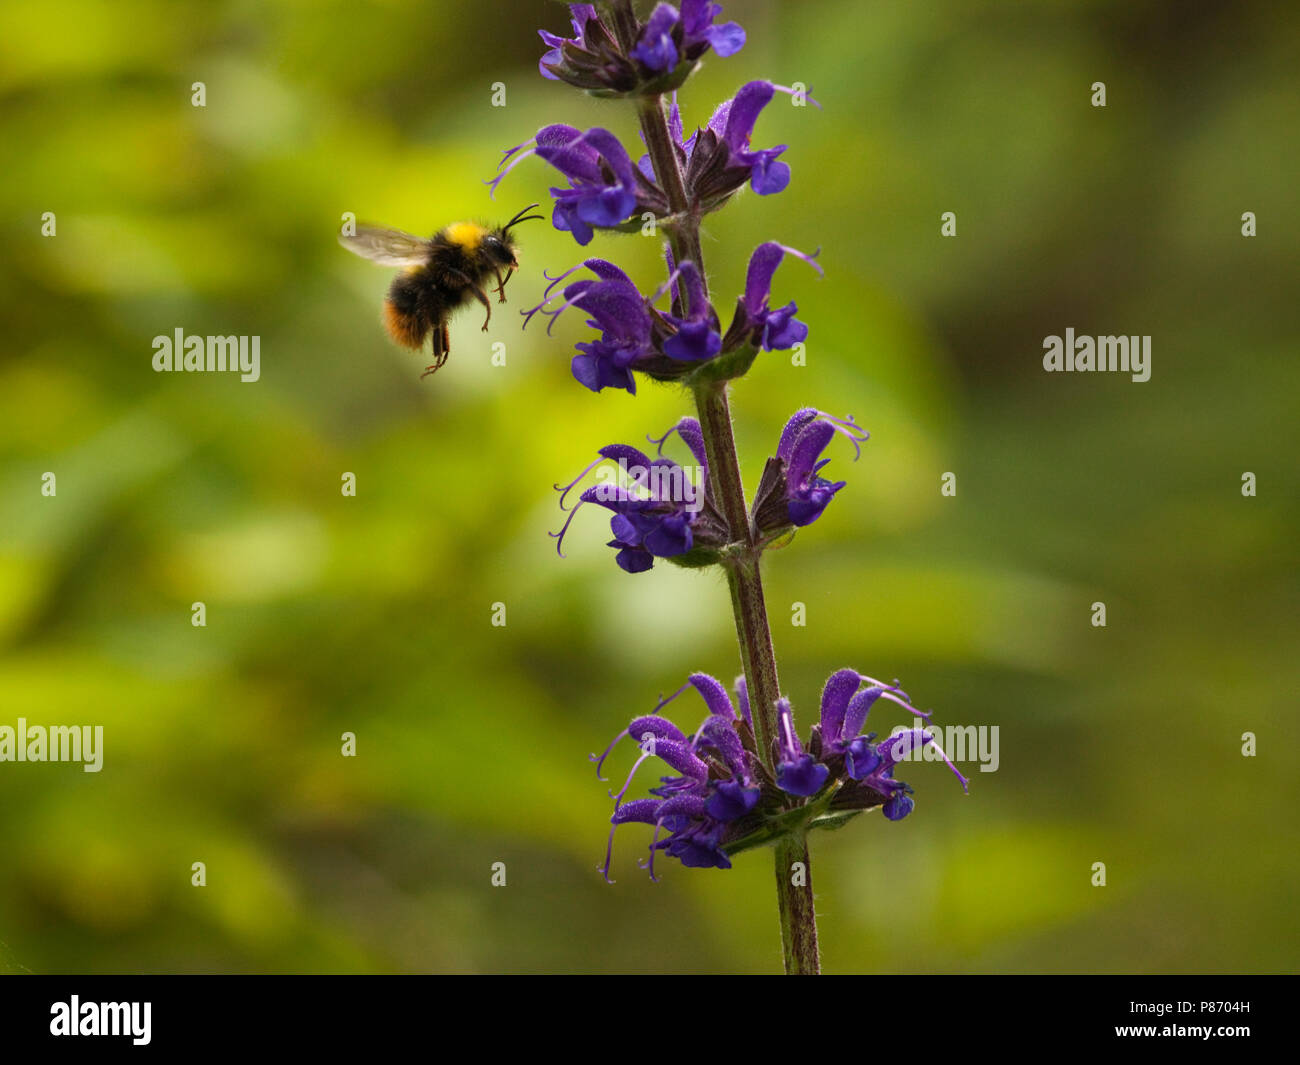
[(744, 574), (753, 631), (798, 916)]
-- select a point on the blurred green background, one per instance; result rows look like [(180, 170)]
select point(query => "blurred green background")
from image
[(372, 614)]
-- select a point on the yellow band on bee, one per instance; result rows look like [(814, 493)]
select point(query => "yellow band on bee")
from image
[(466, 234)]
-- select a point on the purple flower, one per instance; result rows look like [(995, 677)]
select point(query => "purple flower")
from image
[(667, 46), (602, 188), (797, 772), (754, 320), (697, 336), (669, 345), (722, 798), (870, 767), (802, 441), (591, 59), (655, 49), (697, 25), (605, 189), (617, 308), (633, 334), (766, 174), (658, 511), (792, 490), (657, 44), (712, 799), (579, 16), (719, 157)]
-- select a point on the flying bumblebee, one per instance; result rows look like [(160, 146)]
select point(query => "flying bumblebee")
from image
[(438, 276)]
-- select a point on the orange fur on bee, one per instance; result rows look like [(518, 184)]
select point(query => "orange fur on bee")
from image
[(406, 329)]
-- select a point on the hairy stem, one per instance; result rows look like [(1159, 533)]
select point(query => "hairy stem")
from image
[(684, 231), (798, 918), (753, 631), (743, 572)]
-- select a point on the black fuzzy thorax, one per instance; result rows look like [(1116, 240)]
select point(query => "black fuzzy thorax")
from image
[(440, 286)]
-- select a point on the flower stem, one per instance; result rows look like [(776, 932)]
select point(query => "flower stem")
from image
[(798, 918), (684, 232), (743, 570), (753, 631)]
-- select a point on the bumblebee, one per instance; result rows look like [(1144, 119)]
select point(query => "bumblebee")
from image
[(439, 275)]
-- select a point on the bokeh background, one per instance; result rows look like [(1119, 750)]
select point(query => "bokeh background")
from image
[(372, 614)]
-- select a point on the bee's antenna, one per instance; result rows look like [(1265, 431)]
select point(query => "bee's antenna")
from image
[(524, 216)]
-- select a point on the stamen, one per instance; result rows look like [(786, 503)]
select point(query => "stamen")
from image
[(649, 864), (559, 310), (666, 701), (785, 716), (600, 760), (572, 484), (906, 705), (804, 92), (506, 153), (539, 309), (670, 283), (609, 855), (892, 687), (914, 745), (556, 280), (811, 260), (559, 536), (848, 427), (660, 440), (672, 269), (509, 165), (637, 765), (547, 297), (965, 784)]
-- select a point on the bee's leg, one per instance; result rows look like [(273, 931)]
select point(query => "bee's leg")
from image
[(482, 297), (501, 284), (440, 346), (476, 290)]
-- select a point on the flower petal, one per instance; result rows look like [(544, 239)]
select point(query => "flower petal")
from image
[(839, 689)]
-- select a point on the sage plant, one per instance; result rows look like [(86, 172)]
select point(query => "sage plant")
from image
[(743, 779)]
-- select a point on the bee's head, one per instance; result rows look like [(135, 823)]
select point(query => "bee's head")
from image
[(499, 244), (499, 249)]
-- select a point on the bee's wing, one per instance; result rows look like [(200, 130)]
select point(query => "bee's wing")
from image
[(386, 246)]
